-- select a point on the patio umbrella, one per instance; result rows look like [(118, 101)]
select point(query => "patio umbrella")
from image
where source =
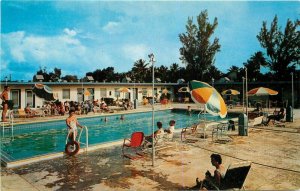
[(230, 92), (87, 93), (203, 93), (43, 91), (124, 90), (184, 90), (165, 91), (261, 91)]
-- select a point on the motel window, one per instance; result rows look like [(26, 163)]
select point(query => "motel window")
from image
[(80, 95), (144, 92), (103, 92), (117, 93), (66, 93), (16, 97), (155, 92), (91, 94), (29, 98)]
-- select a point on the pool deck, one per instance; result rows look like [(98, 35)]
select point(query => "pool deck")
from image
[(274, 152)]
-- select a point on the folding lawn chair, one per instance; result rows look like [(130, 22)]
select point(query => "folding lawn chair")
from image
[(235, 176), (134, 143)]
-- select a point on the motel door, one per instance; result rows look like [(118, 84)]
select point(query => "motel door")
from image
[(80, 95)]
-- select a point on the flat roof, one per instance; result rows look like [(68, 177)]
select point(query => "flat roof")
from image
[(96, 83)]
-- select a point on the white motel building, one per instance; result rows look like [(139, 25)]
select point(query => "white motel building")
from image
[(21, 92)]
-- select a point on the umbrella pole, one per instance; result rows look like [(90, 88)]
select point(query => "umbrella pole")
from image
[(204, 134)]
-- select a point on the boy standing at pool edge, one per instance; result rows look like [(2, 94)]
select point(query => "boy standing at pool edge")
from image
[(72, 124)]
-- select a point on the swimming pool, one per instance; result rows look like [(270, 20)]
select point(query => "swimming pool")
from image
[(37, 139)]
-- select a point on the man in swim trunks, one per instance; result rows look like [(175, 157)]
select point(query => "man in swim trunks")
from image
[(4, 97)]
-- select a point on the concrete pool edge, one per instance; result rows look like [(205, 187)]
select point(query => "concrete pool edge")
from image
[(22, 162)]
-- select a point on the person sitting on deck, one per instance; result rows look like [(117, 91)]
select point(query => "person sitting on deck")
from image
[(29, 111), (104, 106), (160, 131), (216, 178), (276, 116), (171, 129)]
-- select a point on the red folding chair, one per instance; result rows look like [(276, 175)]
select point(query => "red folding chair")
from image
[(135, 142)]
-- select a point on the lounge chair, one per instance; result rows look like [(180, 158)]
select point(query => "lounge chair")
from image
[(134, 143), (235, 176), (39, 112), (193, 131), (188, 131), (279, 117), (161, 141), (220, 130), (256, 121), (21, 113)]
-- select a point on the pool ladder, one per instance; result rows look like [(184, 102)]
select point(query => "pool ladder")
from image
[(5, 158), (9, 124), (79, 136)]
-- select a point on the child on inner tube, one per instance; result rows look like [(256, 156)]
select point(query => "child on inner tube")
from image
[(72, 124)]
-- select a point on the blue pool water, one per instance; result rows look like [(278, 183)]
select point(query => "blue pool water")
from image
[(49, 137)]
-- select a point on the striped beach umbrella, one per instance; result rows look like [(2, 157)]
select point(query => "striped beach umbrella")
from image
[(230, 92), (43, 91), (261, 91), (203, 93), (184, 89)]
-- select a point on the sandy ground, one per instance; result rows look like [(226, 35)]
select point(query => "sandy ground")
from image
[(274, 152)]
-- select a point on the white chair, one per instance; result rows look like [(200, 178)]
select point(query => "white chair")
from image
[(39, 112), (256, 121), (220, 130)]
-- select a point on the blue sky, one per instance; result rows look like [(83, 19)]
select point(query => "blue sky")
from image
[(82, 36)]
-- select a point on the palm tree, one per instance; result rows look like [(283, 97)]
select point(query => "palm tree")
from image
[(140, 70), (161, 73), (174, 73), (253, 66)]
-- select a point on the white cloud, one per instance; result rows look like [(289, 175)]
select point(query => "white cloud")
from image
[(3, 65), (63, 51), (112, 27), (70, 32), (14, 40), (135, 51)]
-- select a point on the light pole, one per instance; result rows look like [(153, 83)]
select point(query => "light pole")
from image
[(212, 82), (293, 90), (152, 61), (292, 95), (6, 80), (246, 89), (134, 95), (82, 90), (243, 94)]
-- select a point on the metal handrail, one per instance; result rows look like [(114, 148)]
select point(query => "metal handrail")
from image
[(10, 124), (79, 136), (86, 136)]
